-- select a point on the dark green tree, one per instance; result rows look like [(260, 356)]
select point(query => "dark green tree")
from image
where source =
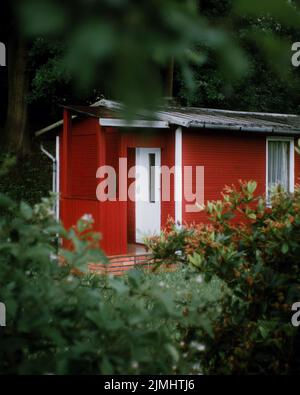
[(120, 47)]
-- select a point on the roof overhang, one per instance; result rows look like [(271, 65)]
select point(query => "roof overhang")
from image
[(122, 123), (51, 127), (111, 113)]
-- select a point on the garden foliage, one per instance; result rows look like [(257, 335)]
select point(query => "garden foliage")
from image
[(62, 320), (255, 249)]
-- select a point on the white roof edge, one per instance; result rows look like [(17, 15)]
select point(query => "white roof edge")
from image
[(51, 127), (134, 124)]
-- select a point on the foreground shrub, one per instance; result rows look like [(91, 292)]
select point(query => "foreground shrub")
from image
[(255, 250), (31, 175), (63, 320)]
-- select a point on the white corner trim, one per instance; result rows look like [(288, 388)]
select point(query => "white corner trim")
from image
[(292, 160), (178, 175), (57, 178), (133, 124)]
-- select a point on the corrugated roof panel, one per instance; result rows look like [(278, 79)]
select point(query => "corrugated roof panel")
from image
[(192, 119), (195, 117)]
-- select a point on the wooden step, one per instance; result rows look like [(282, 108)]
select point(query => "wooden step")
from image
[(119, 265)]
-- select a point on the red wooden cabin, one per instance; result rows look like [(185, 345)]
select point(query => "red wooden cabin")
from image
[(228, 145)]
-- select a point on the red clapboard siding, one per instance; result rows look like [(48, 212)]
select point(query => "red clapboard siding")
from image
[(85, 126), (115, 221), (226, 159), (111, 212), (113, 240), (144, 138), (74, 209), (78, 150), (84, 157), (83, 165), (112, 139)]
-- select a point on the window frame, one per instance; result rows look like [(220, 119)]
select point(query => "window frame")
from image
[(291, 161)]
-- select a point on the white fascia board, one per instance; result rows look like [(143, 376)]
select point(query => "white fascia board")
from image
[(52, 126), (133, 124)]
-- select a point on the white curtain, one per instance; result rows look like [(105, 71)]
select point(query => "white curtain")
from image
[(278, 164)]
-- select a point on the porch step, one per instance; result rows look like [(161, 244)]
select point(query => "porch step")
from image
[(119, 265)]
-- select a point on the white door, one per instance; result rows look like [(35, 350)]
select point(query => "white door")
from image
[(147, 206)]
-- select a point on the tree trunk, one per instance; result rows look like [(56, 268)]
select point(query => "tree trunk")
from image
[(169, 82), (16, 131)]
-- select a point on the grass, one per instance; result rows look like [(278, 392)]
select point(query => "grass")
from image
[(185, 283)]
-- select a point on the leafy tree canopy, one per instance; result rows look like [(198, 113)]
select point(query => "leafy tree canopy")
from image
[(229, 53)]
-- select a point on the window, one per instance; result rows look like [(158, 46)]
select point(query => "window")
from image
[(152, 178), (280, 163)]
